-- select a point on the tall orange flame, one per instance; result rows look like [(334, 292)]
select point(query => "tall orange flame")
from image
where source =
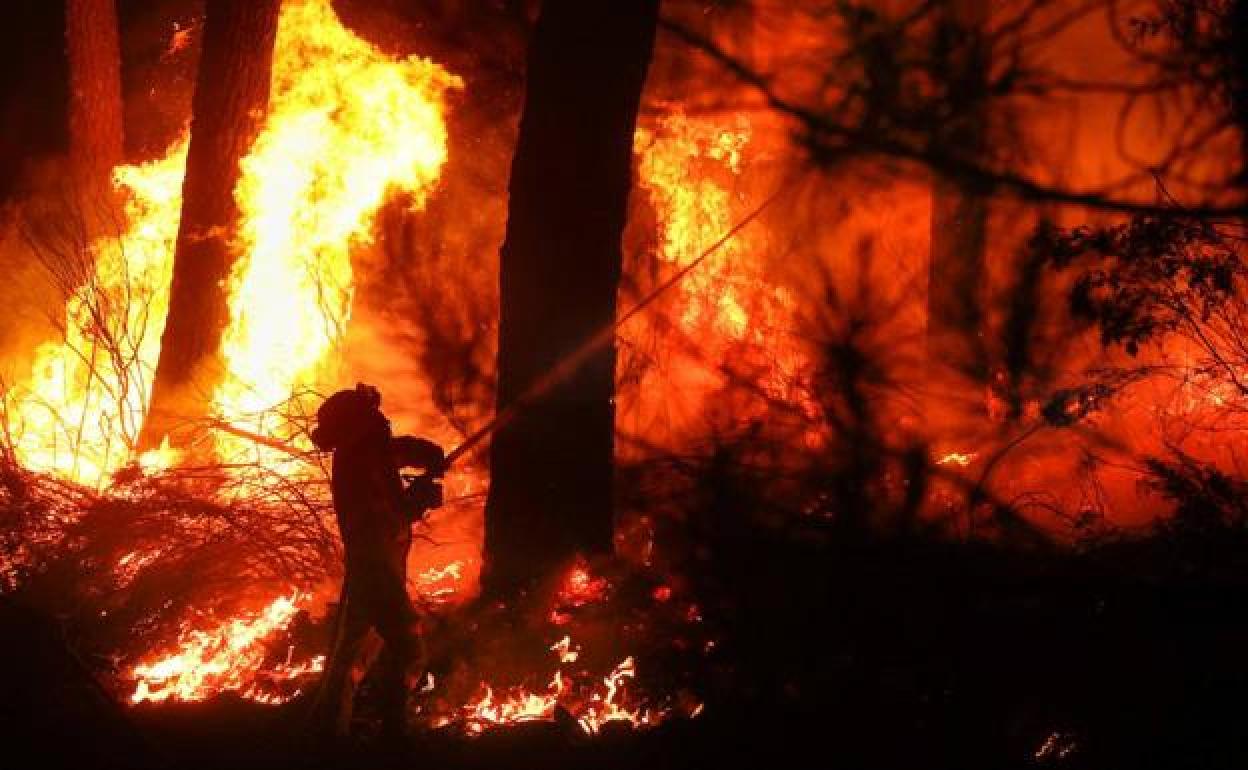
[(348, 127)]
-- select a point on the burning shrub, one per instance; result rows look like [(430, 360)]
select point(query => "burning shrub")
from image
[(133, 567)]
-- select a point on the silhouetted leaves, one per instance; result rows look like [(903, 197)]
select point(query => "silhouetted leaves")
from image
[(1148, 277)]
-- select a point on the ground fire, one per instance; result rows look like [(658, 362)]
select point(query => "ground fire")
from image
[(861, 380)]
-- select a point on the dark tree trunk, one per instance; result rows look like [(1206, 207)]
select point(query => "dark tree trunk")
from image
[(552, 466), (959, 211), (96, 134), (1239, 84), (231, 94)]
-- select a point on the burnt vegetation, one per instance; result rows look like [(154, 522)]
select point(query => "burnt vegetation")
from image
[(834, 478)]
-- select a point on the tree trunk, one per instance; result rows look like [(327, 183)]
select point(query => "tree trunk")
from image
[(1239, 86), (959, 211), (231, 94), (96, 138), (552, 466)]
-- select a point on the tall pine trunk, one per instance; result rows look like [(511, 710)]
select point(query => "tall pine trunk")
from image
[(1239, 85), (959, 210), (231, 95), (552, 466), (96, 133)]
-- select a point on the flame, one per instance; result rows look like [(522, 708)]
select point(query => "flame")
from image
[(963, 459), (592, 707), (608, 706), (591, 702), (519, 706), (688, 168), (131, 564), (78, 413), (180, 40), (728, 314), (348, 127), (227, 658), (438, 585), (563, 648), (581, 587)]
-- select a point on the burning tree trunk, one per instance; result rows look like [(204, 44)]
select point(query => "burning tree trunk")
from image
[(959, 210), (552, 466), (231, 93), (95, 109)]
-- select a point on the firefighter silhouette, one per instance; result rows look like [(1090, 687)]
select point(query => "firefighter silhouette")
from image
[(375, 507)]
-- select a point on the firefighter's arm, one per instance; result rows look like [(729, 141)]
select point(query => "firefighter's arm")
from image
[(413, 452)]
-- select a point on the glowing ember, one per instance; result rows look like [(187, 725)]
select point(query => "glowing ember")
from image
[(564, 649), (130, 565), (227, 658), (1058, 745), (962, 459), (440, 584), (180, 40), (581, 587)]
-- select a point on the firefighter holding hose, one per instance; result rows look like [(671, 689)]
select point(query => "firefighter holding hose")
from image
[(375, 507)]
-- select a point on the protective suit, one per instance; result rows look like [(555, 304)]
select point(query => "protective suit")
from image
[(375, 512)]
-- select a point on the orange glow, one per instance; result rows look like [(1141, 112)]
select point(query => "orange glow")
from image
[(729, 316)]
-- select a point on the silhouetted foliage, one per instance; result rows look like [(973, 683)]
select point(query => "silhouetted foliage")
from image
[(1150, 277)]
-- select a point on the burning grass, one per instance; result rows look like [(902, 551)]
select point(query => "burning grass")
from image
[(189, 598), (151, 560)]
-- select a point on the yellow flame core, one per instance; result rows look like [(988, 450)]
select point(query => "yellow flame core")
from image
[(348, 126), (80, 410)]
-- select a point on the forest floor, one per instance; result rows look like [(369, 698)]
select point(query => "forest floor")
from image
[(910, 655)]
